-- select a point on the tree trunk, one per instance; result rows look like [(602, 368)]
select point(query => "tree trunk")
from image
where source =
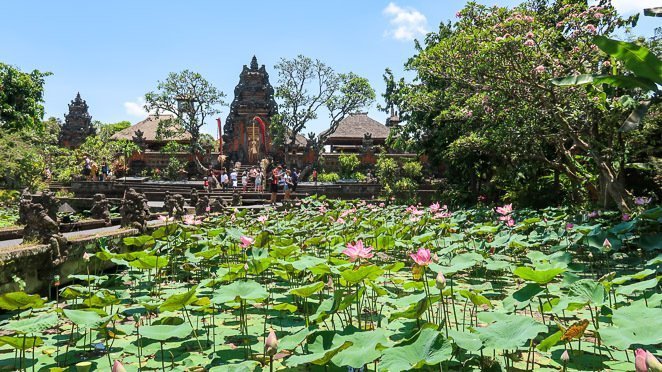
[(612, 188)]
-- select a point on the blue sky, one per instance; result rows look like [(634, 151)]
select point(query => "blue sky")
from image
[(113, 52)]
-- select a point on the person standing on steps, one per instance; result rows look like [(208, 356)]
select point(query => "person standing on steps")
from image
[(295, 179), (275, 177), (233, 179)]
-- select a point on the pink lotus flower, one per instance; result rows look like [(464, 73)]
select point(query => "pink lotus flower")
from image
[(498, 38), (86, 257), (271, 343), (357, 251), (382, 205), (322, 209), (208, 209), (529, 35), (164, 218), (625, 217), (540, 69), (190, 219), (340, 220), (505, 210), (262, 219), (434, 207), (593, 214), (246, 241), (529, 43), (640, 364), (422, 257), (510, 222), (569, 226), (565, 357), (444, 214), (118, 367), (590, 28), (641, 200)]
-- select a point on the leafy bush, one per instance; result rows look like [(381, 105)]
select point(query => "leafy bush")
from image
[(412, 169), (359, 176), (328, 177), (348, 164)]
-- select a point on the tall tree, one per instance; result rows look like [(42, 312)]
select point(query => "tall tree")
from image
[(21, 98), (485, 80), (307, 85), (190, 98)]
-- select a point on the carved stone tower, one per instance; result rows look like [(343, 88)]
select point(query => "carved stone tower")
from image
[(77, 124), (244, 139)]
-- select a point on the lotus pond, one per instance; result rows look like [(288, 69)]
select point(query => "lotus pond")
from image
[(333, 285)]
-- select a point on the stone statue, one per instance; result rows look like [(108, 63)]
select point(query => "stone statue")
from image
[(174, 205), (194, 197), (41, 228), (134, 210), (202, 205), (218, 205), (100, 209), (48, 200), (24, 207), (253, 151), (236, 198)]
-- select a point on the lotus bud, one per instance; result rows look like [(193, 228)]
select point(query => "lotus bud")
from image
[(606, 244), (86, 257), (271, 343), (440, 282), (652, 363), (640, 361), (565, 357), (118, 367)]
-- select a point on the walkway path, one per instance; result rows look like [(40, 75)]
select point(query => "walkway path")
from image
[(5, 244)]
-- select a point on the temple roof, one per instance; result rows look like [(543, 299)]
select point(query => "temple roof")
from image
[(358, 124), (149, 127)]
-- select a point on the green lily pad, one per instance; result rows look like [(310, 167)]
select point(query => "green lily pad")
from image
[(428, 347)]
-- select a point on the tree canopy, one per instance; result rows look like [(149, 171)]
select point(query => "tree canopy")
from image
[(305, 86), (484, 107), (21, 98), (190, 98)]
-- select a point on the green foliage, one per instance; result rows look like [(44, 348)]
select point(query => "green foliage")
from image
[(328, 177), (398, 181), (305, 86), (482, 105), (22, 164), (21, 98), (198, 100), (412, 169), (348, 164)]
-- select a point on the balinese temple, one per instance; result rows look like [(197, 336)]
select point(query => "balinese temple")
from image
[(77, 124), (244, 138), (145, 135), (354, 131)]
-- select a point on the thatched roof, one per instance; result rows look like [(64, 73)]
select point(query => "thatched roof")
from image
[(356, 125), (149, 127), (653, 12)]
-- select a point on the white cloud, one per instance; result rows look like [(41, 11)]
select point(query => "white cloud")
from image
[(136, 108), (634, 6), (406, 23)]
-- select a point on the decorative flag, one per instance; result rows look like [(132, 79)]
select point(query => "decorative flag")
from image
[(262, 132), (220, 136)]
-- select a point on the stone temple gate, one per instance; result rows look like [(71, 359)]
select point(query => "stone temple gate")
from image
[(245, 139)]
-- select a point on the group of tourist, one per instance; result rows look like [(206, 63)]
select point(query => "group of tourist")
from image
[(287, 178), (254, 179), (235, 180), (93, 172)]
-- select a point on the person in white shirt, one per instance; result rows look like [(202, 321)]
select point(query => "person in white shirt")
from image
[(233, 178)]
